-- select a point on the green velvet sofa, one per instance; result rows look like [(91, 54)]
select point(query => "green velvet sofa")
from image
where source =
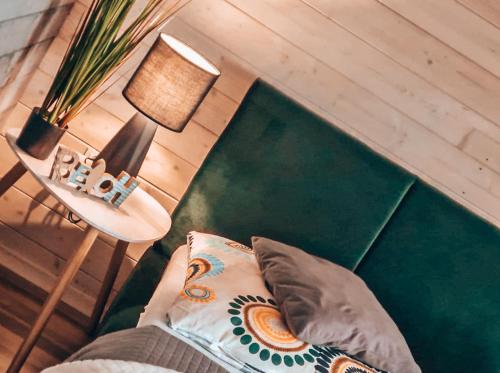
[(281, 172)]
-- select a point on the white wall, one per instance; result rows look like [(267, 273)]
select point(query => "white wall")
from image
[(26, 29)]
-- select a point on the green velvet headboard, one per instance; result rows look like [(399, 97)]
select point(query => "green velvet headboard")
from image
[(280, 171)]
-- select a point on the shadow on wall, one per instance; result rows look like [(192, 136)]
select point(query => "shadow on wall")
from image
[(26, 57)]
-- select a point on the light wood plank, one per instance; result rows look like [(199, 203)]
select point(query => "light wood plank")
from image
[(484, 149), (487, 9), (61, 336), (455, 26), (52, 231), (417, 50), (167, 171), (85, 2), (217, 109), (53, 298), (162, 168), (52, 60), (129, 66), (345, 104), (214, 113), (322, 38), (11, 92), (304, 27), (420, 101), (8, 344), (235, 78), (95, 126), (31, 187), (192, 144), (233, 81), (55, 54), (167, 201), (27, 183), (113, 101), (72, 21), (22, 211), (228, 91), (29, 260), (33, 95)]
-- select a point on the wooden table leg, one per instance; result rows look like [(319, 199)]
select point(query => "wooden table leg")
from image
[(107, 285), (11, 177), (48, 307)]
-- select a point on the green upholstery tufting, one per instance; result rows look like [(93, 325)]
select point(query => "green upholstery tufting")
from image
[(436, 270), (275, 167), (281, 172), (135, 294)]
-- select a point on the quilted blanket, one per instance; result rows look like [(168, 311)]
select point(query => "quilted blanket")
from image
[(106, 366)]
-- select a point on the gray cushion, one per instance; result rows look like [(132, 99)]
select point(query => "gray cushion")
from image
[(324, 303)]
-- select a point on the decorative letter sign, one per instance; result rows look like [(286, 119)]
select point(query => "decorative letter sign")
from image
[(64, 162), (121, 189), (69, 168)]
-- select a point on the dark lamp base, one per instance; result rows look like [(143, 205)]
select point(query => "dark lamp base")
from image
[(128, 148)]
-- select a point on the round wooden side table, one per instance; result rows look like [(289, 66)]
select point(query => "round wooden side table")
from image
[(139, 219)]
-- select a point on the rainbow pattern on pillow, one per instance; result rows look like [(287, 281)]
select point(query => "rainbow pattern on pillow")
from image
[(226, 308)]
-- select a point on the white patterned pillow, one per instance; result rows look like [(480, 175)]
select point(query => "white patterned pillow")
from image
[(226, 308)]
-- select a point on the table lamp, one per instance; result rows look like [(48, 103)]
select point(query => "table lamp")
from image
[(166, 89)]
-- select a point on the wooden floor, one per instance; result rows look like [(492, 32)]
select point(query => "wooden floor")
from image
[(18, 310)]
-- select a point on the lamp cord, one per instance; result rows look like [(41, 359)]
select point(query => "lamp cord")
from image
[(72, 219)]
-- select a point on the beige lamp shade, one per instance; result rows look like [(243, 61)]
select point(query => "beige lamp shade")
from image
[(170, 83)]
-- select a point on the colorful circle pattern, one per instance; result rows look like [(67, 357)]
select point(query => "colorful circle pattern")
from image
[(203, 265), (198, 293), (331, 360), (260, 327)]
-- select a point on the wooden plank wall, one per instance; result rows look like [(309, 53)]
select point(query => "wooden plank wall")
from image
[(36, 237), (418, 81), (27, 28), (388, 80)]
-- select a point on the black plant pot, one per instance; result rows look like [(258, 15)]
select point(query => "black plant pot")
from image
[(38, 137)]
